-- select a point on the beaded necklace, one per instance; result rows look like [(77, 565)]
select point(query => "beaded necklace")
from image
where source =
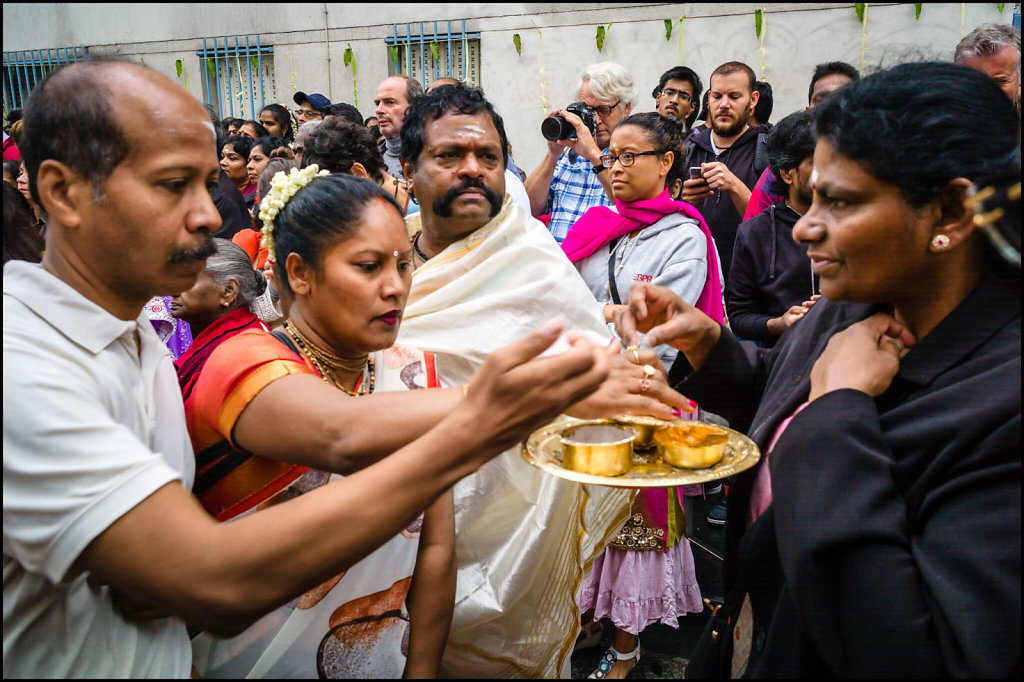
[(324, 361), (416, 247)]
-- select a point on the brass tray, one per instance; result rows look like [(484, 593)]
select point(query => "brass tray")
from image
[(543, 449)]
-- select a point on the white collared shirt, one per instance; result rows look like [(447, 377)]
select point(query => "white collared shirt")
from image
[(93, 425)]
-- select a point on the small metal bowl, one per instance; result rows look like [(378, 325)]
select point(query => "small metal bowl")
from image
[(692, 446), (644, 427), (598, 449)]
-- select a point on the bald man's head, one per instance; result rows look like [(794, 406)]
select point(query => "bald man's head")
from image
[(78, 116), (444, 80)]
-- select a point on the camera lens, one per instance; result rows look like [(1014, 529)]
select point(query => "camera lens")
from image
[(556, 128)]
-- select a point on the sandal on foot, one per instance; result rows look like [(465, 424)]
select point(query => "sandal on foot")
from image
[(590, 636), (610, 658)]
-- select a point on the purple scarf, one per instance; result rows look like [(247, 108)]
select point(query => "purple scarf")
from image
[(600, 225)]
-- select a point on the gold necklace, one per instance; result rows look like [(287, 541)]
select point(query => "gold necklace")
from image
[(324, 360)]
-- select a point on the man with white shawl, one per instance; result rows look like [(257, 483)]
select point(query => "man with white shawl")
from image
[(487, 272)]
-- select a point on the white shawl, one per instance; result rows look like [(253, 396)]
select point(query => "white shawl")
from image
[(524, 539)]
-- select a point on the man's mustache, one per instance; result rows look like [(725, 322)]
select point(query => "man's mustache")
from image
[(203, 250), (442, 205)]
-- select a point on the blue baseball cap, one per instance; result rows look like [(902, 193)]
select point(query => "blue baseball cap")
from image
[(315, 99)]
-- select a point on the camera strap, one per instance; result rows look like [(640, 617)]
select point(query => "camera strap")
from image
[(612, 289)]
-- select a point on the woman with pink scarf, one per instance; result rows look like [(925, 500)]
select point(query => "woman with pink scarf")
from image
[(647, 573)]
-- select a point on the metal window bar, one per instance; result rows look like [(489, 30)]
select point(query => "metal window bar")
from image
[(226, 52), (23, 69), (423, 40)]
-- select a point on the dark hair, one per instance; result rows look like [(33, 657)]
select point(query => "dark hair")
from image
[(704, 109), (903, 130), (283, 118), (218, 129), (241, 144), (268, 143), (366, 121), (337, 143), (733, 67), (69, 118), (261, 130), (765, 102), (683, 73), (22, 239), (229, 121), (830, 69), (273, 166), (665, 133), (789, 143), (447, 99), (320, 215), (346, 111), (13, 115), (12, 166)]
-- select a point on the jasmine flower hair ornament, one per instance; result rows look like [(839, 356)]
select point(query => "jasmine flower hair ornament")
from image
[(282, 189)]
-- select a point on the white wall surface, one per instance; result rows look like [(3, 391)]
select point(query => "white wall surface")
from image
[(558, 41)]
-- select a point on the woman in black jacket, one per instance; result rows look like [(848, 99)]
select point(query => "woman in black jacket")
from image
[(880, 534)]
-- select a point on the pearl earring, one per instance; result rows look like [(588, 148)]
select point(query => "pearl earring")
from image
[(940, 242)]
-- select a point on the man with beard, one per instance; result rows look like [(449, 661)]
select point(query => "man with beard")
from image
[(725, 154), (770, 282), (678, 95), (106, 552), (571, 178), (485, 270)]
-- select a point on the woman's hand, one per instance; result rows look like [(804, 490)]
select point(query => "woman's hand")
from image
[(865, 357), (666, 318), (636, 384)]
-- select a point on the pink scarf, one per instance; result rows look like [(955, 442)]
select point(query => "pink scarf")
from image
[(600, 225)]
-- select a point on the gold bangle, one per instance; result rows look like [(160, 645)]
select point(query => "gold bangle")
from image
[(465, 391)]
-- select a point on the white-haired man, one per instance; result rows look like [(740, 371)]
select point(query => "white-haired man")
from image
[(570, 178), (993, 49)]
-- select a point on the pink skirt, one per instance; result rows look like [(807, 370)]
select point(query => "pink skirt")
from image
[(636, 589)]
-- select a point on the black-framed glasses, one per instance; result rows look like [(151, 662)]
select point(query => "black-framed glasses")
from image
[(670, 92), (604, 111), (625, 158)]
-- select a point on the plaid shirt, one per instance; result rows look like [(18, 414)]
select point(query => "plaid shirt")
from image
[(575, 188)]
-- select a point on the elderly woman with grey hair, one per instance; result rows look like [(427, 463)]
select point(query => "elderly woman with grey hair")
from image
[(217, 308)]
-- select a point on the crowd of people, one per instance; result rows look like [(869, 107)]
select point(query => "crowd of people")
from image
[(842, 286)]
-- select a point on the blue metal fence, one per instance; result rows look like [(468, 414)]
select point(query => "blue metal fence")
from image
[(24, 68), (223, 60), (416, 48)]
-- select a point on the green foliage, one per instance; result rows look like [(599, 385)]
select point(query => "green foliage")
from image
[(1001, 6), (212, 68), (435, 51), (757, 23), (349, 58), (255, 63), (518, 42), (177, 66), (668, 29), (859, 6), (917, 10), (393, 53), (602, 33)]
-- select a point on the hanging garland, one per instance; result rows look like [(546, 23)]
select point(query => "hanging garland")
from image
[(862, 15), (963, 11), (350, 60), (542, 71), (759, 27)]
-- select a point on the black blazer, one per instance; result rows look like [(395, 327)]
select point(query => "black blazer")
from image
[(892, 546)]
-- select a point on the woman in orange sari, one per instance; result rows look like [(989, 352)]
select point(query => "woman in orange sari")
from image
[(343, 253)]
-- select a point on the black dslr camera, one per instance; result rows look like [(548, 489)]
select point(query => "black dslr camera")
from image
[(557, 128)]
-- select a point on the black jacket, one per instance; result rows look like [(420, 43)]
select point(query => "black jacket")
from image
[(231, 206), (719, 210), (892, 547), (770, 272)]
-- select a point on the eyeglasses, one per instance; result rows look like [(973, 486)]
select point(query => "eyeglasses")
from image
[(669, 92), (604, 111), (625, 158)]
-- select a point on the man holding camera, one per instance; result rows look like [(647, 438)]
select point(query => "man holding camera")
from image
[(570, 178)]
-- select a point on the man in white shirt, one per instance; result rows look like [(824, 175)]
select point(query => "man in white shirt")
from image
[(101, 535)]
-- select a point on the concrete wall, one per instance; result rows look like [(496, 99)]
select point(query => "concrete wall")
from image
[(558, 41)]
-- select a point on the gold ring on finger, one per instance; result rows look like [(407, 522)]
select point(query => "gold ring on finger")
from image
[(645, 384), (648, 371)]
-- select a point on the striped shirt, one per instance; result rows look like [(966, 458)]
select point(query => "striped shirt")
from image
[(575, 188)]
